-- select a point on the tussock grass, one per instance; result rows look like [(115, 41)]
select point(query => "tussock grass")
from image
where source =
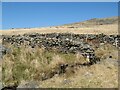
[(104, 51), (96, 76), (25, 63), (32, 64)]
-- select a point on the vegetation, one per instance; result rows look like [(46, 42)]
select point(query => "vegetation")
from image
[(31, 64)]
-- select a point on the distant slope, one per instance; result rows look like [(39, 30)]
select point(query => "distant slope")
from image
[(93, 22), (92, 26)]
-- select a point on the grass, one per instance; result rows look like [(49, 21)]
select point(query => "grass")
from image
[(107, 50), (96, 76), (31, 64), (94, 29), (26, 63)]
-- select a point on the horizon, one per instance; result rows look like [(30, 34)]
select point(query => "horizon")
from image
[(58, 25), (37, 15)]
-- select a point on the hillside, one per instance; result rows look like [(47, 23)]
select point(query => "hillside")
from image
[(94, 22), (85, 59), (60, 61), (92, 26)]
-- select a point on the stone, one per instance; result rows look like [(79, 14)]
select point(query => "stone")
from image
[(63, 42), (29, 84), (3, 51), (0, 85)]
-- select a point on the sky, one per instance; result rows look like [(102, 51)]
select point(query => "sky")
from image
[(44, 14)]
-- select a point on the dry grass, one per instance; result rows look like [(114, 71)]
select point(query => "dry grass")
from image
[(96, 76), (27, 64), (104, 51), (0, 71), (106, 29)]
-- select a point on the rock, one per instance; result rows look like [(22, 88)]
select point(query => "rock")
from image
[(88, 74), (3, 51), (66, 81), (63, 42), (0, 85), (30, 84)]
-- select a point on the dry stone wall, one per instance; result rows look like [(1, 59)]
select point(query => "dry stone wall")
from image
[(85, 44), (64, 42)]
